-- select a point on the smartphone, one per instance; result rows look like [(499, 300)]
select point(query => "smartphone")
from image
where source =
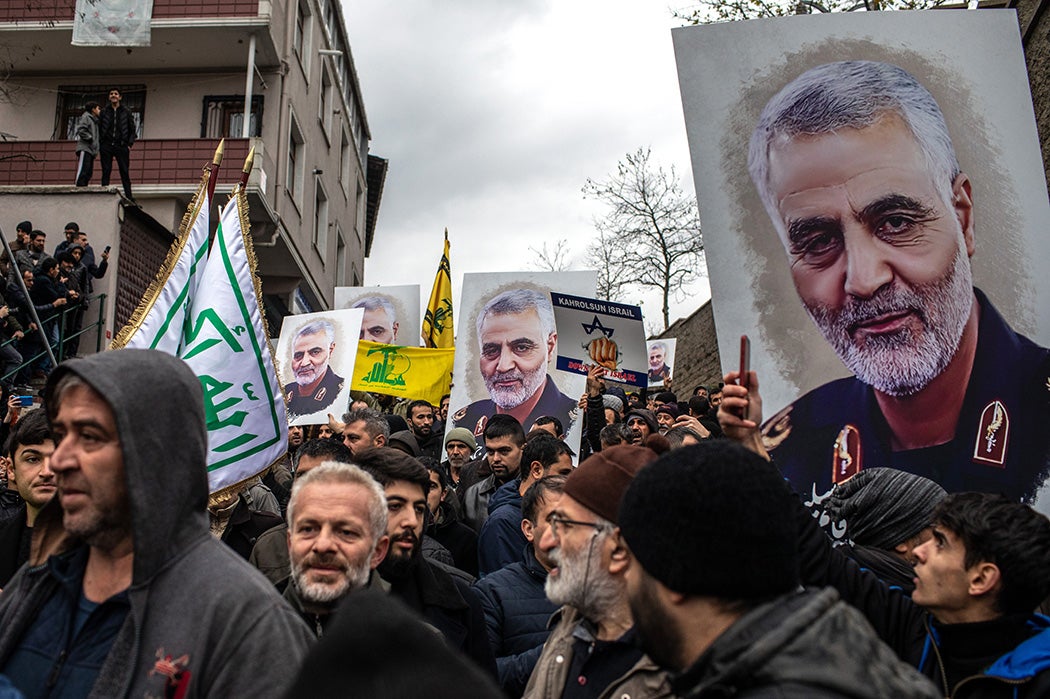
[(25, 401), (107, 248), (745, 360), (745, 369)]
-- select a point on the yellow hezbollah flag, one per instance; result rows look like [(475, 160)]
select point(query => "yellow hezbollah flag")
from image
[(437, 324), (407, 372)]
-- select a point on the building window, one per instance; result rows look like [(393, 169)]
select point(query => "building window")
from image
[(340, 257), (320, 219), (360, 214), (224, 116), (301, 36), (326, 106), (296, 158), (344, 162), (72, 98)]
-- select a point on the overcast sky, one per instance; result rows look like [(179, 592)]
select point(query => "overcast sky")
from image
[(493, 115)]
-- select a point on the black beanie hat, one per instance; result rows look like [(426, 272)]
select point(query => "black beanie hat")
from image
[(713, 519), (883, 507)]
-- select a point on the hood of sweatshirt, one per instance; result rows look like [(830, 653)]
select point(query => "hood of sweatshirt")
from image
[(159, 410)]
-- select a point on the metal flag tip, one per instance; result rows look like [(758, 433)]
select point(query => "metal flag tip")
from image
[(248, 161), (217, 158)]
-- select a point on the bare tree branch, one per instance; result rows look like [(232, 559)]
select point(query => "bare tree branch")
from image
[(555, 259), (650, 236)]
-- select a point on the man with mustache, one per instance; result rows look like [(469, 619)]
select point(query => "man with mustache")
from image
[(316, 385), (855, 166), (337, 518), (29, 472), (592, 649), (442, 597), (516, 340)]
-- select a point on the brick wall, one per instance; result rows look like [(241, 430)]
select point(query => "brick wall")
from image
[(696, 352)]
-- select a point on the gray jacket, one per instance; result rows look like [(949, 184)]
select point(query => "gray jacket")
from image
[(192, 599), (808, 644), (87, 133)]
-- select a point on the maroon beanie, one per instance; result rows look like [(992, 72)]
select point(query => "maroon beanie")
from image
[(601, 480)]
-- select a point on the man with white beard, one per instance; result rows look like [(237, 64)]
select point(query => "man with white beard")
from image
[(591, 650), (855, 166), (517, 339), (336, 537)]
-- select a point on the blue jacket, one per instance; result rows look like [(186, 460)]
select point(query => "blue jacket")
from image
[(501, 538), (516, 614)]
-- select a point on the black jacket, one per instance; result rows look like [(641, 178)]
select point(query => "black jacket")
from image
[(448, 604), (804, 644), (516, 614), (116, 127), (14, 544)]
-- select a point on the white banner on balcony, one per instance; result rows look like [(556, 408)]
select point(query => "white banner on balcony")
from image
[(112, 23)]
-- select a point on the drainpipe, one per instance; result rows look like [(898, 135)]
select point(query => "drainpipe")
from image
[(249, 82)]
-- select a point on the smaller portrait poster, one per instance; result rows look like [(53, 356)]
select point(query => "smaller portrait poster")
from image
[(391, 313), (600, 332), (506, 346), (315, 358), (661, 361)]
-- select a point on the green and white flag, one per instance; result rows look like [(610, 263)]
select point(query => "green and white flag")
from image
[(157, 321), (225, 343)]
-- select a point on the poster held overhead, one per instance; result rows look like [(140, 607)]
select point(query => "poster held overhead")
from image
[(592, 331)]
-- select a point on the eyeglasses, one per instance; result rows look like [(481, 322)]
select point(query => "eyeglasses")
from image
[(565, 525)]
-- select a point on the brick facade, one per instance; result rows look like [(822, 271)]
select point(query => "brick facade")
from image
[(696, 352)]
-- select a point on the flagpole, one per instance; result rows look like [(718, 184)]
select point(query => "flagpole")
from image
[(213, 168), (246, 171)]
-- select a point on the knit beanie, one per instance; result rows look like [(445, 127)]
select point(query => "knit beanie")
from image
[(600, 481), (668, 409), (883, 507), (646, 415), (461, 434), (714, 519), (612, 402)]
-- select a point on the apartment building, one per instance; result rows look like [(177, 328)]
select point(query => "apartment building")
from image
[(274, 74)]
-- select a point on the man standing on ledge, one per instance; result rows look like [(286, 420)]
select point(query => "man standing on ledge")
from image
[(856, 168), (517, 339), (117, 129), (316, 385)]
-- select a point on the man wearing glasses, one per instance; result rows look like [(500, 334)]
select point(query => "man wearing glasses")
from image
[(592, 646)]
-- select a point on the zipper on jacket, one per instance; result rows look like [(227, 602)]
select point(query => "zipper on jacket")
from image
[(52, 679), (937, 655), (963, 681)]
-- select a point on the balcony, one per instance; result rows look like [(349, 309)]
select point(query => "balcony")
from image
[(174, 162), (62, 10)]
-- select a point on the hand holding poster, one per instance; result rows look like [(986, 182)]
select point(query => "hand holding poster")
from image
[(316, 352), (600, 332)]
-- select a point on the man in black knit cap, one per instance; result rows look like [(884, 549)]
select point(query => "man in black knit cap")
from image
[(722, 606)]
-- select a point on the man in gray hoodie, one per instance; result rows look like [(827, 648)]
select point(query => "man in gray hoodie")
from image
[(125, 592), (87, 143)]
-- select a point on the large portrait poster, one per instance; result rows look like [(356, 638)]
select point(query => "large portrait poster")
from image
[(506, 346), (874, 208), (315, 360), (391, 313)]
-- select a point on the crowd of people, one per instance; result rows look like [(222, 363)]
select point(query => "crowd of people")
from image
[(55, 289), (386, 557)]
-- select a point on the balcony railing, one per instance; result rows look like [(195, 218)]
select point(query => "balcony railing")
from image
[(62, 10), (153, 161)]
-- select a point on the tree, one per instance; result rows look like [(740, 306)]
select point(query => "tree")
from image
[(554, 259), (729, 10), (651, 235)]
